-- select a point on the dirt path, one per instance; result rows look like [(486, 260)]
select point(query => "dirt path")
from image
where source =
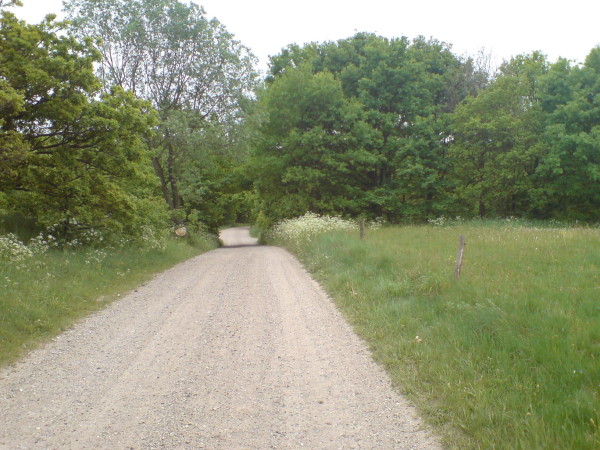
[(237, 348)]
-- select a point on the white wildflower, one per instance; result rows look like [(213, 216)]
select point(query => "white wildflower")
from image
[(12, 249), (303, 229)]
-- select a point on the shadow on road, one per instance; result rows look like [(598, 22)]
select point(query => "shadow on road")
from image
[(227, 247)]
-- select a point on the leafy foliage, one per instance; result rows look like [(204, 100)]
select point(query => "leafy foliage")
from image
[(358, 127), (192, 71), (528, 144), (408, 131), (70, 157), (497, 143), (310, 150), (569, 174)]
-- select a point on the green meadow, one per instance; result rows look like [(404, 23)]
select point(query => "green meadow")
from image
[(507, 356)]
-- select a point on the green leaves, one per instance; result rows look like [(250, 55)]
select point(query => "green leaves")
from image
[(310, 154), (192, 71), (408, 131), (355, 126), (70, 157), (569, 171), (167, 52), (496, 148), (528, 144)]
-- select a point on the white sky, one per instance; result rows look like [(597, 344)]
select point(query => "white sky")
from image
[(567, 28)]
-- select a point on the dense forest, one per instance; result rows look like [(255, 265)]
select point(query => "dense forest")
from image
[(138, 115)]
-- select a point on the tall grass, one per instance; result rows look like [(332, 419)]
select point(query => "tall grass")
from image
[(43, 294), (506, 357)]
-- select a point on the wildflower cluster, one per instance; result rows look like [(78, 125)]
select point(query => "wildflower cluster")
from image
[(93, 241), (12, 249), (149, 238), (303, 229), (77, 238), (376, 224), (442, 220), (95, 256), (42, 243)]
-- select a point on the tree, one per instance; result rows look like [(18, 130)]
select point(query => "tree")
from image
[(568, 177), (70, 157), (471, 76), (9, 3), (169, 53), (310, 154), (496, 146), (443, 135), (399, 93)]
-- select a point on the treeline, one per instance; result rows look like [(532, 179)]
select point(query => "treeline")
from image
[(122, 121), (137, 115), (408, 131)]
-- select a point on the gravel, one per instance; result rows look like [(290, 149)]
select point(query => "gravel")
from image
[(236, 348)]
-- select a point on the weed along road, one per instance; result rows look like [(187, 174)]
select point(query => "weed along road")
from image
[(236, 348)]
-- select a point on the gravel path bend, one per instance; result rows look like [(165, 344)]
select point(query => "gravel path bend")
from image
[(236, 348)]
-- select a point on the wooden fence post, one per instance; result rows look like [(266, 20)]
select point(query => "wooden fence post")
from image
[(459, 257), (361, 227)]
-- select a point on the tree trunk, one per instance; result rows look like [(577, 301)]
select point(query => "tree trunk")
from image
[(163, 181), (482, 209), (175, 197)]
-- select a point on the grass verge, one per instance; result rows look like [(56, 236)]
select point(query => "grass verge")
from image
[(43, 295), (506, 357)]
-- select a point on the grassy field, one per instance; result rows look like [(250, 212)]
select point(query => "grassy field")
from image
[(43, 295), (508, 356)]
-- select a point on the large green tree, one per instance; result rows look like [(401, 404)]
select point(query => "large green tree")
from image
[(192, 70), (528, 144), (69, 157), (398, 93), (568, 177), (496, 147), (311, 154)]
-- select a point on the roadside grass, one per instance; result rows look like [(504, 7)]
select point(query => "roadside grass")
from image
[(43, 295), (508, 356)]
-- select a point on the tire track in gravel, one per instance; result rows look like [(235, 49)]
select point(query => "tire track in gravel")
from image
[(236, 348)]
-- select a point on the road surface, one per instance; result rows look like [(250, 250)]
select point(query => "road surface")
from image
[(236, 348)]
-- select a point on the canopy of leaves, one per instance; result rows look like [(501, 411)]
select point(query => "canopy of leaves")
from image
[(568, 176), (311, 154), (408, 131), (195, 74), (357, 127), (68, 156), (167, 52), (528, 144), (496, 147)]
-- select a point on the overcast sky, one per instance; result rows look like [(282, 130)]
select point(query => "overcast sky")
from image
[(567, 28)]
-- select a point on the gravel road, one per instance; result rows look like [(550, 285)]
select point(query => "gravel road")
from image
[(236, 348)]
